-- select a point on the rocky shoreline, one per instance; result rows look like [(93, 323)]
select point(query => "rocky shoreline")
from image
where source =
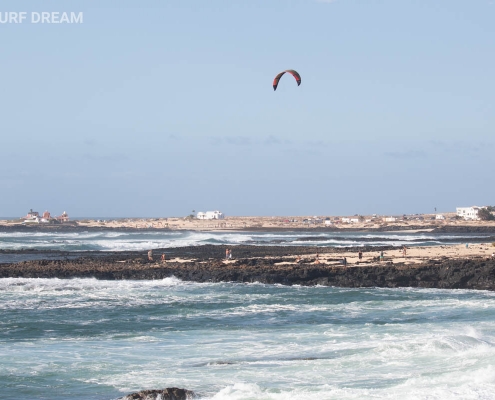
[(265, 264)]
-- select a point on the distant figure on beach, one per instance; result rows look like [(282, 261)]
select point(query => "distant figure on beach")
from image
[(360, 254), (404, 250), (163, 257), (381, 255), (150, 255), (230, 254), (345, 262), (226, 254), (467, 245)]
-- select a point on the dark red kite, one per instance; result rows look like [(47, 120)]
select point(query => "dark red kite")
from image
[(295, 74)]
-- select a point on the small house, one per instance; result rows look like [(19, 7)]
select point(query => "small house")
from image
[(469, 212), (63, 218), (31, 217), (210, 215)]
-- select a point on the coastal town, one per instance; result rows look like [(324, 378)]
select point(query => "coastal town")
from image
[(216, 220)]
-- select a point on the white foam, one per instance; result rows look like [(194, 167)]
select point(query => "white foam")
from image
[(142, 240), (256, 341)]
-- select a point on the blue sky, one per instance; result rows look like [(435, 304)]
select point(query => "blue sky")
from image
[(155, 108)]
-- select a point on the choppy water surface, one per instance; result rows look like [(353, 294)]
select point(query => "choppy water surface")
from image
[(143, 240), (89, 339)]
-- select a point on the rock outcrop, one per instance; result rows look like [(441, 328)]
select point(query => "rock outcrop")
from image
[(161, 394), (478, 273)]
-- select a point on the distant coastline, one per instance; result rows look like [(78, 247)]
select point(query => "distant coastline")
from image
[(74, 227), (445, 222)]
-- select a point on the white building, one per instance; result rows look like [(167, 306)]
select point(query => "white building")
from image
[(439, 216), (390, 219), (210, 215), (469, 212), (350, 220), (31, 217)]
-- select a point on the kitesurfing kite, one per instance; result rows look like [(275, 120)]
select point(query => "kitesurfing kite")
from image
[(295, 74)]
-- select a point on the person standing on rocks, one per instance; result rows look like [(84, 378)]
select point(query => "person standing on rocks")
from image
[(230, 254), (404, 251), (163, 257), (360, 255), (381, 256), (226, 254), (150, 255)]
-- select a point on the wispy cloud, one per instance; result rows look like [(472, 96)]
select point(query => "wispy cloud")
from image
[(409, 154), (461, 146), (316, 143), (231, 140), (105, 157), (90, 142), (275, 140), (238, 140)]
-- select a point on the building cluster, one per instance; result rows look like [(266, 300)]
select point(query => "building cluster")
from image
[(33, 217), (467, 213), (210, 215)]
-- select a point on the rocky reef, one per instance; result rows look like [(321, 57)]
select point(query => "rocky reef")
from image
[(476, 273), (161, 394)]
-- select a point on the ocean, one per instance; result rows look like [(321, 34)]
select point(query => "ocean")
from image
[(116, 240), (90, 339)]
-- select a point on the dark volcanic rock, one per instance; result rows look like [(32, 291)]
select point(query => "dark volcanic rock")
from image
[(476, 273), (464, 229), (161, 394)]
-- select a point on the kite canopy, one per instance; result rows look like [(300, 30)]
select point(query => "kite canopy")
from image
[(295, 74)]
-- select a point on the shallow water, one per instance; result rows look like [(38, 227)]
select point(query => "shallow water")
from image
[(89, 339)]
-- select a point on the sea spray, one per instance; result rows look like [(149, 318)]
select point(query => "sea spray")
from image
[(91, 339)]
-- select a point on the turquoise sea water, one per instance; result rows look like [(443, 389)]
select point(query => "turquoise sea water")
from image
[(89, 339)]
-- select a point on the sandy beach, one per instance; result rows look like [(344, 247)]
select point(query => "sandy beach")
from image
[(333, 256), (413, 255)]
